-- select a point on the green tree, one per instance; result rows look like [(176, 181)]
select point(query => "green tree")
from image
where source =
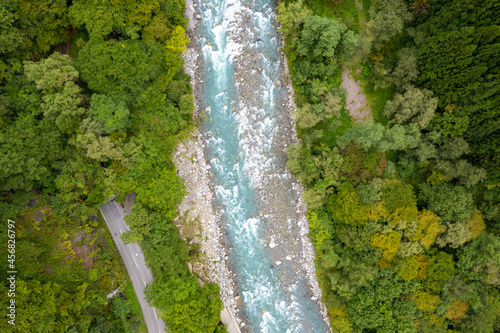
[(323, 38), (455, 234), (56, 78), (407, 268), (140, 225), (28, 151), (415, 106), (382, 306), (387, 20), (163, 192), (367, 135), (120, 69), (480, 260), (441, 269), (45, 23), (101, 18), (186, 307), (406, 70), (345, 207), (291, 17), (112, 115), (371, 193), (399, 201), (450, 202), (10, 36)]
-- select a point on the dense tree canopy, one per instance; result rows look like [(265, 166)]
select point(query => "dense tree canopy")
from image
[(76, 128), (406, 235)]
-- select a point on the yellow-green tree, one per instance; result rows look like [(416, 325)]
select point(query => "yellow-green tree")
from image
[(426, 301), (389, 243), (427, 229)]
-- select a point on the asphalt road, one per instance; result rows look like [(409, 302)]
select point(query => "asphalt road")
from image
[(133, 259)]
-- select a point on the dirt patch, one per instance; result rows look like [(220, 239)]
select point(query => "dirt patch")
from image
[(356, 101), (81, 251)]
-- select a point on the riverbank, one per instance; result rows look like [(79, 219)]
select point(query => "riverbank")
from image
[(198, 218)]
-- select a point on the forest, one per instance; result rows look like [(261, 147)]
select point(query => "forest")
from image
[(93, 100), (403, 208)]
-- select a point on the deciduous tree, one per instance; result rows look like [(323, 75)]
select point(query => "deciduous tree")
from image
[(414, 106)]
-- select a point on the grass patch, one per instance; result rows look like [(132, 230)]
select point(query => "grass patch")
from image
[(332, 132), (366, 9), (377, 99), (346, 11), (134, 304)]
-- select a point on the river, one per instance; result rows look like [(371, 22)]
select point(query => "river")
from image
[(246, 104)]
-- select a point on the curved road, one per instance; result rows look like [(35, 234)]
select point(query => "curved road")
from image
[(133, 259)]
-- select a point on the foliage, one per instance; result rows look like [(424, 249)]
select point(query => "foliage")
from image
[(387, 20), (480, 260), (415, 106), (425, 229), (457, 311), (56, 78), (465, 83), (441, 268), (427, 302), (120, 69), (450, 202), (28, 151), (291, 18), (383, 306), (389, 243), (74, 134), (433, 70), (399, 201), (360, 166), (367, 135), (406, 70), (455, 235), (112, 115), (344, 206)]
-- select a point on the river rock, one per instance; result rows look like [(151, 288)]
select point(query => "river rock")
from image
[(272, 244), (198, 17), (277, 83)]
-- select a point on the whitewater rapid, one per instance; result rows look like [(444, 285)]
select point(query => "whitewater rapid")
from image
[(245, 105)]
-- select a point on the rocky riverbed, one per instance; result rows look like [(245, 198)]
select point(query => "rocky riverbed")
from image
[(281, 209)]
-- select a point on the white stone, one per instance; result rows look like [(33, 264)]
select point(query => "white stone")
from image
[(272, 244), (198, 17), (288, 258), (278, 263)]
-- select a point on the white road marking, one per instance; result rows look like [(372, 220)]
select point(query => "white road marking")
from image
[(154, 310), (144, 281), (135, 263)]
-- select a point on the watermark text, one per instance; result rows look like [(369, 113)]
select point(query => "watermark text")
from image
[(11, 272)]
